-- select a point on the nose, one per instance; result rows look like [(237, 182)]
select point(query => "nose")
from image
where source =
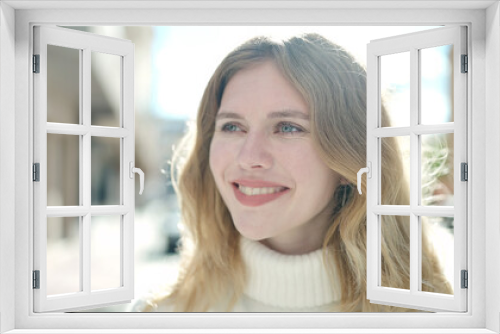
[(254, 152)]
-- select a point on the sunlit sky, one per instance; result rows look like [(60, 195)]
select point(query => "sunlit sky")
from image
[(185, 57)]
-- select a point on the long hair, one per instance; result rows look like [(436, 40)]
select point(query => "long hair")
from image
[(333, 84)]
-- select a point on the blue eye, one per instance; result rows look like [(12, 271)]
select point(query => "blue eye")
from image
[(230, 127), (288, 128), (283, 128)]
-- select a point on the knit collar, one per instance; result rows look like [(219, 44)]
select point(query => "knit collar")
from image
[(287, 281)]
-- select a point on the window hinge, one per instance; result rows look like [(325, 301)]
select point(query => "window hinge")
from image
[(465, 279), (36, 63), (464, 171), (36, 172), (36, 279), (465, 64)]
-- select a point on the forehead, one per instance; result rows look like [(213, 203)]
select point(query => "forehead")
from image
[(261, 87)]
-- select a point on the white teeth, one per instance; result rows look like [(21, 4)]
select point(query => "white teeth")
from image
[(259, 191)]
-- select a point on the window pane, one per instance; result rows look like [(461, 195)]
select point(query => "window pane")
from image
[(63, 255), (63, 85), (63, 170), (395, 248), (438, 257), (105, 252), (105, 171), (436, 85), (437, 169), (106, 89), (395, 162), (395, 86)]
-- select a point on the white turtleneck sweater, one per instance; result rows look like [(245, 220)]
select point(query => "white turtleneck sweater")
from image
[(278, 283)]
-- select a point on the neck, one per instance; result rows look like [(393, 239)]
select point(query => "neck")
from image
[(302, 239), (296, 244)]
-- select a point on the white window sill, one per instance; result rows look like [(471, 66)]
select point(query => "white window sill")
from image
[(248, 331)]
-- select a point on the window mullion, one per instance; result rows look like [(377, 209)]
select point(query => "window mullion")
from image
[(417, 129), (373, 156), (414, 171), (101, 210), (86, 169), (80, 130), (127, 155), (405, 210), (67, 211)]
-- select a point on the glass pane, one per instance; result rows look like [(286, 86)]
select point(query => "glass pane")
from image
[(105, 252), (63, 85), (436, 75), (106, 89), (437, 169), (395, 89), (63, 170), (395, 247), (395, 166), (105, 171), (63, 255), (438, 256)]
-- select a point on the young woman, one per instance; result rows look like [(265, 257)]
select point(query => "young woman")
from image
[(271, 219)]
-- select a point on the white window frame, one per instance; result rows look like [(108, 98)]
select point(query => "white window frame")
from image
[(17, 19), (412, 44), (85, 44)]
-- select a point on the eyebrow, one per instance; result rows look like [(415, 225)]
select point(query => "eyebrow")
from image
[(274, 114)]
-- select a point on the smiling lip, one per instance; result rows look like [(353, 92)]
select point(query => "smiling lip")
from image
[(256, 200), (257, 183)]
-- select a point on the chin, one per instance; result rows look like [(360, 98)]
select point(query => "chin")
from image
[(251, 232)]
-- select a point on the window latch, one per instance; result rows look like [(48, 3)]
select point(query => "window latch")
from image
[(133, 170), (368, 171)]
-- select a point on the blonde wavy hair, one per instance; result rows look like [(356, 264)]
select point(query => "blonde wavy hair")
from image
[(333, 84)]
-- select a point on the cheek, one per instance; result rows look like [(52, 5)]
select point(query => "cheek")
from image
[(219, 157), (312, 173)]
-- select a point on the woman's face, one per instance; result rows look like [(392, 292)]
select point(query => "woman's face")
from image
[(266, 169)]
